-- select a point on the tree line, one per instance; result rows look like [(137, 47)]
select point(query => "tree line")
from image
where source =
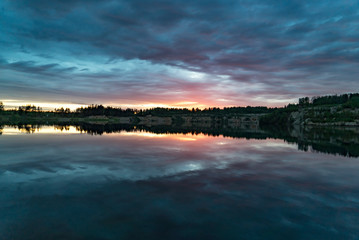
[(100, 110), (348, 100)]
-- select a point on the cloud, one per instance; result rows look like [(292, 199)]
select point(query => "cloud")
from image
[(271, 44)]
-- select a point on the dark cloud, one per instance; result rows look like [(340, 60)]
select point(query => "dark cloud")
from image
[(31, 67), (250, 42)]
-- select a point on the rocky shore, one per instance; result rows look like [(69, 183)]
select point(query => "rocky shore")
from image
[(325, 116)]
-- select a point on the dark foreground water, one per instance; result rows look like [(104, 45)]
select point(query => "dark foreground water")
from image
[(143, 185)]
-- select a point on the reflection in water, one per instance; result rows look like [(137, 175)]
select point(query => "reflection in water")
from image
[(39, 129), (149, 184), (342, 141)]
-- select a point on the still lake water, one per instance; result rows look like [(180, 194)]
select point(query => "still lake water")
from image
[(143, 185)]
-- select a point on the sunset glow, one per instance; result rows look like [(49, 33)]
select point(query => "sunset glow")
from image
[(11, 104), (177, 119), (40, 130), (175, 54), (74, 130)]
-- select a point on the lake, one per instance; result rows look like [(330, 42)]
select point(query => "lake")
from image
[(118, 182)]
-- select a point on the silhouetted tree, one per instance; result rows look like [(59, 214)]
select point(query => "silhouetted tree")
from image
[(1, 106), (304, 101), (29, 108)]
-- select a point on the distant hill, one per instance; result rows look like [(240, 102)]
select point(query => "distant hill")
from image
[(332, 110)]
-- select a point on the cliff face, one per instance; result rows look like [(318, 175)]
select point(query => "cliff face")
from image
[(326, 116), (202, 121)]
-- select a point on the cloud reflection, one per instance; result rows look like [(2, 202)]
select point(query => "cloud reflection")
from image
[(114, 184)]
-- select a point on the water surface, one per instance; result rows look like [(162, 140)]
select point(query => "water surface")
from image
[(148, 185)]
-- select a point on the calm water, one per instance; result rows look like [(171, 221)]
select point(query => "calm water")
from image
[(143, 185)]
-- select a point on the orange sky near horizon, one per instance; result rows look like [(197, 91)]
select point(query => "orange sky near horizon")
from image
[(13, 104)]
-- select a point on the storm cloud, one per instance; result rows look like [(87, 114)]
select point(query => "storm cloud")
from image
[(210, 53)]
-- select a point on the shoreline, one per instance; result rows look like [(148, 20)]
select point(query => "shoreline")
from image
[(237, 120)]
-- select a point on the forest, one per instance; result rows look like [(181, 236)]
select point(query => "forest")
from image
[(268, 115)]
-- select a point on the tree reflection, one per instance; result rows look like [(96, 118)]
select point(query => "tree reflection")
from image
[(342, 141)]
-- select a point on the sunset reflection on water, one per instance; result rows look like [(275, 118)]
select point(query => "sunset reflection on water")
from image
[(113, 184)]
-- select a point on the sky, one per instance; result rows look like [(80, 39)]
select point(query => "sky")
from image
[(141, 54)]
